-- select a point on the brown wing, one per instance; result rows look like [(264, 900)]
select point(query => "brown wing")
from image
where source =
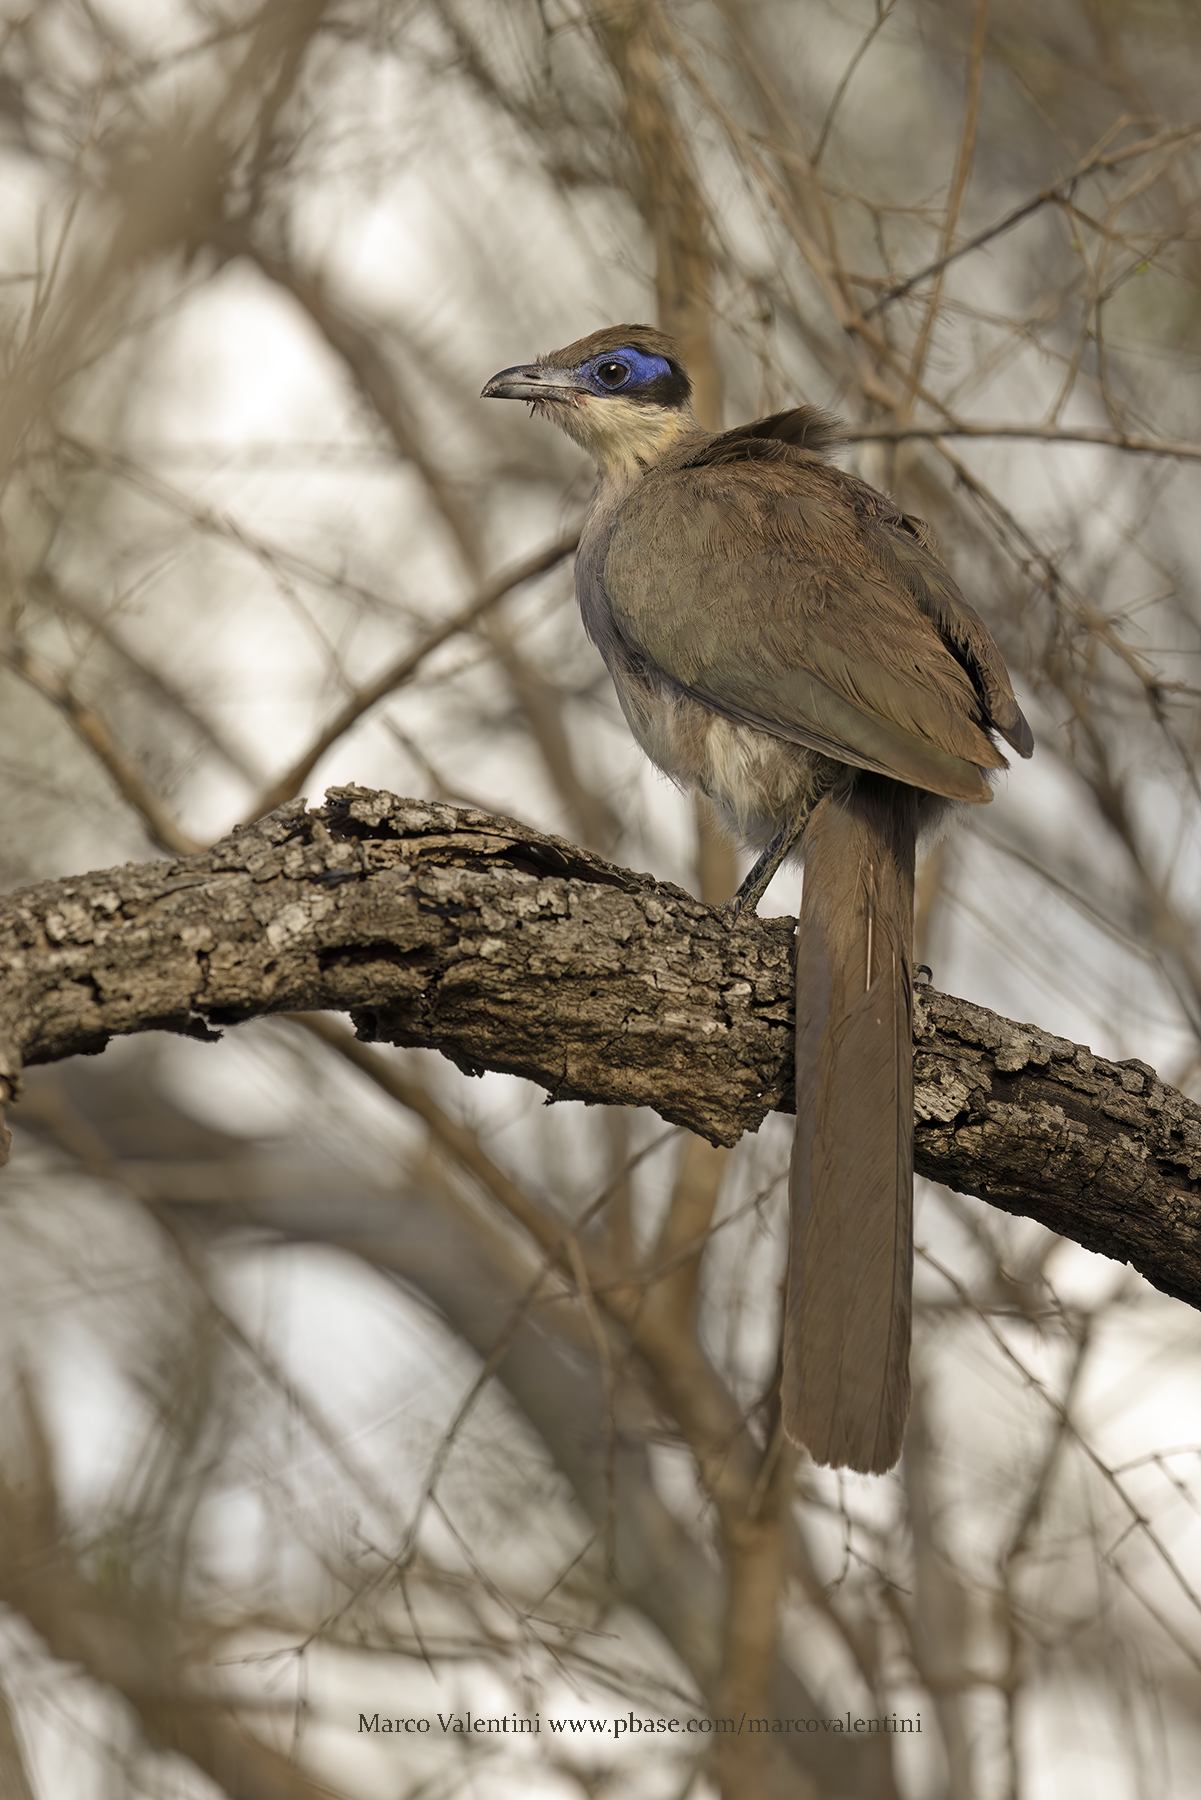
[(793, 597)]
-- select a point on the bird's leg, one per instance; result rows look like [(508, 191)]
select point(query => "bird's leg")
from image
[(759, 878)]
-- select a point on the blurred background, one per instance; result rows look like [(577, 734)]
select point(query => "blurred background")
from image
[(295, 1424)]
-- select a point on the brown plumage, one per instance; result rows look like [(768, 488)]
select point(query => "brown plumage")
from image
[(850, 1275), (782, 637)]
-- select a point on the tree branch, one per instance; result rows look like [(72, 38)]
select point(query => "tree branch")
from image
[(505, 949), (1181, 448), (406, 666), (1057, 195), (478, 1278), (92, 730)]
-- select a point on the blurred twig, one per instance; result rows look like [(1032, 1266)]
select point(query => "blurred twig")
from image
[(405, 667), (1035, 433), (1062, 191), (91, 729)]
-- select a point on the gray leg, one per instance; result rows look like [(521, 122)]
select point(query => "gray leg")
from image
[(759, 879)]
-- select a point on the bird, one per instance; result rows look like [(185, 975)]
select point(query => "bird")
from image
[(786, 640)]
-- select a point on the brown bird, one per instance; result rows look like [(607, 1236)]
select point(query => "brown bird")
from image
[(785, 639)]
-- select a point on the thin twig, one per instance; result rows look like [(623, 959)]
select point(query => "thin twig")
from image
[(688, 1386), (1138, 1520), (861, 51), (158, 685), (1057, 194), (405, 667), (92, 730), (275, 558), (1046, 434), (963, 168)]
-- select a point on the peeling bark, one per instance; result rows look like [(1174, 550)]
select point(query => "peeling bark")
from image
[(506, 949)]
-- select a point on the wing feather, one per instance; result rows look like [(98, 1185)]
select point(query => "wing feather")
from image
[(788, 595)]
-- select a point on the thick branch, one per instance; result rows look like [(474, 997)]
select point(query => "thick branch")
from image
[(509, 950)]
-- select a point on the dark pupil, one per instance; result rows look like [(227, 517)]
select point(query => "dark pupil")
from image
[(612, 374)]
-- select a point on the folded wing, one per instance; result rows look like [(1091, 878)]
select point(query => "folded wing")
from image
[(790, 596)]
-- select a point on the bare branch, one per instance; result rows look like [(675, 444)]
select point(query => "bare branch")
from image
[(14, 1781), (91, 729), (509, 950), (376, 379), (1045, 434), (406, 666), (161, 688), (128, 1642), (964, 158), (1058, 194), (865, 43)]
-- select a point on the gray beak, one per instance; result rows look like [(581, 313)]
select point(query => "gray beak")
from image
[(532, 383)]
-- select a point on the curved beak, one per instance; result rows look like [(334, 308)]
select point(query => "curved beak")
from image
[(532, 382)]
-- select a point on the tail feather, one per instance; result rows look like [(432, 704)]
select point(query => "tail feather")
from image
[(847, 1320)]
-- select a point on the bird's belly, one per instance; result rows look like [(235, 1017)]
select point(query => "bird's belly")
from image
[(757, 782)]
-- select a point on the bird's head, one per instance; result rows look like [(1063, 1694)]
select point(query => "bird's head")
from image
[(621, 393)]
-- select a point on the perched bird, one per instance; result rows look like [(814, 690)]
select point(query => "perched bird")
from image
[(785, 639)]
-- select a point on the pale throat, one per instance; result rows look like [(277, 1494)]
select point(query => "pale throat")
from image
[(623, 437)]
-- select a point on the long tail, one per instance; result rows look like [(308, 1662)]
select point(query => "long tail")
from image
[(850, 1280)]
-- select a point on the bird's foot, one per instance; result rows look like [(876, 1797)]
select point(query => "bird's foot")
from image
[(759, 877), (750, 893)]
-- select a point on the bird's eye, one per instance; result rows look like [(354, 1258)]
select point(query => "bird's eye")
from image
[(612, 374)]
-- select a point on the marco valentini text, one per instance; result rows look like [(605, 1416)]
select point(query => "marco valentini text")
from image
[(513, 1725)]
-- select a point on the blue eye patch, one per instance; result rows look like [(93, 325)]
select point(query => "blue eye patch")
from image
[(629, 371)]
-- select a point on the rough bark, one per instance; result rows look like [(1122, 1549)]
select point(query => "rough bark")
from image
[(506, 949)]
